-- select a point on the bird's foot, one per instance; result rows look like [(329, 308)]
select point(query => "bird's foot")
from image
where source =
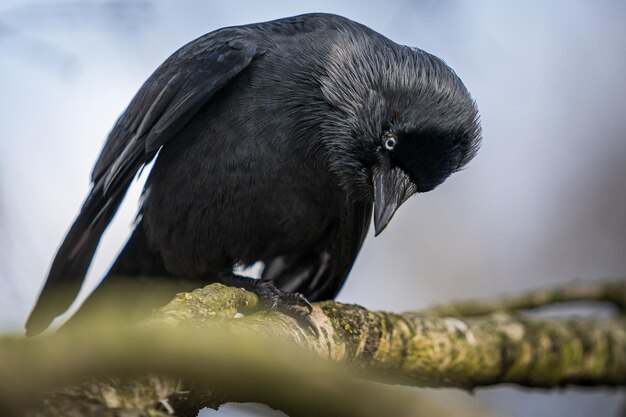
[(293, 304)]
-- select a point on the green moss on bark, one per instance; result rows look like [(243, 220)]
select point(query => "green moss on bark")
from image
[(481, 346)]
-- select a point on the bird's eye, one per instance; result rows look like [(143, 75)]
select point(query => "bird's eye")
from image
[(389, 142)]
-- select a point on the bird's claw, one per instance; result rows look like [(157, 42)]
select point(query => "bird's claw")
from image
[(300, 300), (287, 303), (302, 317)]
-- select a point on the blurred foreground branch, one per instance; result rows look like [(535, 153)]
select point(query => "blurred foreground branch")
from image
[(269, 358)]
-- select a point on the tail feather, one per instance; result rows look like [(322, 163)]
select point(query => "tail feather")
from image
[(73, 258), (136, 283)]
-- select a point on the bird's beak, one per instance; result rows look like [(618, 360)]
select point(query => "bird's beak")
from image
[(392, 187)]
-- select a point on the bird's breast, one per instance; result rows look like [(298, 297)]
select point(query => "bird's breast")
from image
[(212, 204)]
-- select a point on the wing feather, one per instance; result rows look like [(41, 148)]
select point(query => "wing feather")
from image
[(166, 102)]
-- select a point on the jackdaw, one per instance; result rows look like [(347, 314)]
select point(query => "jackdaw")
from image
[(272, 142)]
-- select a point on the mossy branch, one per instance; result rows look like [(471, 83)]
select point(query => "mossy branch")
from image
[(609, 292), (222, 358)]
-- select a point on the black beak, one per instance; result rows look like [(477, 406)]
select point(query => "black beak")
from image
[(392, 187)]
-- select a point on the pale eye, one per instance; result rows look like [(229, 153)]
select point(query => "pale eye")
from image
[(389, 142)]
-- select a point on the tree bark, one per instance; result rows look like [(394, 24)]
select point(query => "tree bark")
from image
[(224, 349)]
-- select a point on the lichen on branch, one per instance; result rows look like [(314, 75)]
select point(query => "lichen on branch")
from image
[(432, 349), (223, 347)]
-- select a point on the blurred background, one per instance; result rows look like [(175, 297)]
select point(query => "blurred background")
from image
[(543, 202)]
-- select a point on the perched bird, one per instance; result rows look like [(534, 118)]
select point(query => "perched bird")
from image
[(272, 142)]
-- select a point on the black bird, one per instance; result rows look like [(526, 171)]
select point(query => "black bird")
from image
[(273, 141)]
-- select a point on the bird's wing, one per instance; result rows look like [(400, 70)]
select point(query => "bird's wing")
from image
[(320, 274), (166, 102), (172, 96)]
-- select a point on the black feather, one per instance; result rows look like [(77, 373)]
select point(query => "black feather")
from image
[(165, 103)]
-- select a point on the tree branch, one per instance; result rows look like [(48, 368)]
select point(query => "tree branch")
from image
[(223, 358), (612, 292), (432, 350)]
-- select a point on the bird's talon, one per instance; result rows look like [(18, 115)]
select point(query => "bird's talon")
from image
[(305, 303), (301, 300), (287, 303)]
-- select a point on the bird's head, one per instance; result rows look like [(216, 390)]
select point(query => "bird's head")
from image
[(405, 123)]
